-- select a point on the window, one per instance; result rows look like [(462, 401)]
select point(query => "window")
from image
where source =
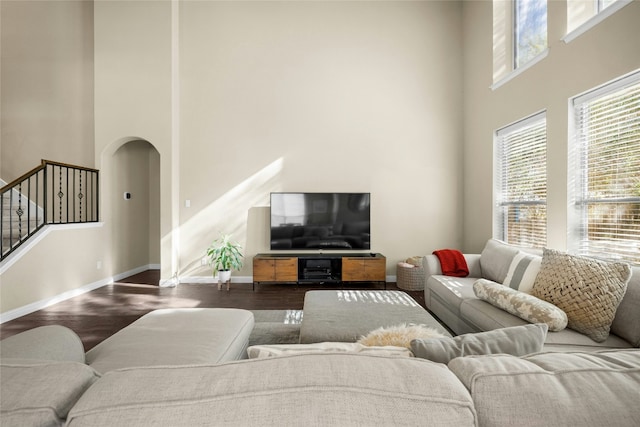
[(606, 165), (530, 30), (583, 15), (519, 37), (520, 213)]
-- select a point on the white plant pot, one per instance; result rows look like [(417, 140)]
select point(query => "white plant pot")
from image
[(224, 275)]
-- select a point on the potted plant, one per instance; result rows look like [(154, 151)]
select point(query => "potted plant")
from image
[(224, 256)]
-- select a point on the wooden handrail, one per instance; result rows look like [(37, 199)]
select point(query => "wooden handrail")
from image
[(22, 177), (43, 164), (67, 165)]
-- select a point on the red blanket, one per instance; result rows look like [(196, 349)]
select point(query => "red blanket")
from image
[(452, 262)]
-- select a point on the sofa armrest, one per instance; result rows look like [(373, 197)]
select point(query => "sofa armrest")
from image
[(431, 265), (53, 342)]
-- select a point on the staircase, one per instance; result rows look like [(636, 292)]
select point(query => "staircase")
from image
[(52, 193), (19, 217)]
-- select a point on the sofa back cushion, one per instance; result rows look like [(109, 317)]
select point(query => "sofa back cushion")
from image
[(312, 389), (626, 323), (41, 393), (495, 260), (554, 389), (515, 340)]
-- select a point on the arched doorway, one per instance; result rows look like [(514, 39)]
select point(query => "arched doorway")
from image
[(134, 200)]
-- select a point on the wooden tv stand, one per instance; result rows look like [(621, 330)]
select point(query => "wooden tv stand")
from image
[(319, 268)]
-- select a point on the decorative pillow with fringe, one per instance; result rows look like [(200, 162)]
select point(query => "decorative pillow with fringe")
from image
[(587, 289)]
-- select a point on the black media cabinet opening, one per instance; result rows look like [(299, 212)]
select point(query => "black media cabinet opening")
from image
[(320, 269)]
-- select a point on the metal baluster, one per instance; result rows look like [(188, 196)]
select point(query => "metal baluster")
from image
[(80, 197), (28, 206), (19, 211), (60, 193), (68, 198)]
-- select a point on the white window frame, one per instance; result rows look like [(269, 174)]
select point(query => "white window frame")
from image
[(598, 17), (504, 69), (502, 200), (514, 32), (578, 239)]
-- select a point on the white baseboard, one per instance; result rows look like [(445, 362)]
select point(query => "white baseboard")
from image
[(44, 303)]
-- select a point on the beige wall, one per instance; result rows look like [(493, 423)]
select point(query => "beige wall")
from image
[(605, 52), (63, 261), (133, 102), (320, 96), (46, 78), (48, 112)]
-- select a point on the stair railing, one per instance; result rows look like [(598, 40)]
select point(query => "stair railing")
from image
[(52, 193)]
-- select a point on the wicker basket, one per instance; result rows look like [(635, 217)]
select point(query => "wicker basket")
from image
[(410, 278)]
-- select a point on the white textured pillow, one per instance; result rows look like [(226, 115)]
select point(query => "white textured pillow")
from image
[(262, 351), (525, 306), (523, 271)]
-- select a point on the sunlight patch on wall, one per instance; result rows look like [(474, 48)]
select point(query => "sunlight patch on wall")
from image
[(228, 215)]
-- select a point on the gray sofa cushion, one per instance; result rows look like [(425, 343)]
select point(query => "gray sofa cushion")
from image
[(52, 342), (495, 260), (626, 324), (321, 390), (516, 341), (176, 337), (554, 389), (41, 393)]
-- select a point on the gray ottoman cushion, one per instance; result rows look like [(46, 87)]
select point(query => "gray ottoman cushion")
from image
[(345, 316), (302, 390), (176, 337)]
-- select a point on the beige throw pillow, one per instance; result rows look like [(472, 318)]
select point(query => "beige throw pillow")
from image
[(587, 289)]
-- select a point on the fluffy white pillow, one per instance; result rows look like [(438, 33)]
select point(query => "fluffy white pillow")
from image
[(399, 335), (523, 271)]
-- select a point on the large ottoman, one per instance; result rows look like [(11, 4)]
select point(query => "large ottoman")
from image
[(184, 336), (346, 315)]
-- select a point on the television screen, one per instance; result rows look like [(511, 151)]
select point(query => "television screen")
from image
[(320, 221)]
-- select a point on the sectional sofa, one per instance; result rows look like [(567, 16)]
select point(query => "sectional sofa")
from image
[(187, 367), (456, 301), (50, 384)]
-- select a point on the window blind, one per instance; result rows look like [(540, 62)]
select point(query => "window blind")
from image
[(607, 194), (521, 182)]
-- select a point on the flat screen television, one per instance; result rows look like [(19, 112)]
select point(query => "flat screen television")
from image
[(340, 221)]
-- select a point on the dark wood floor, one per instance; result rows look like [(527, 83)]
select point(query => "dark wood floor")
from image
[(98, 314)]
